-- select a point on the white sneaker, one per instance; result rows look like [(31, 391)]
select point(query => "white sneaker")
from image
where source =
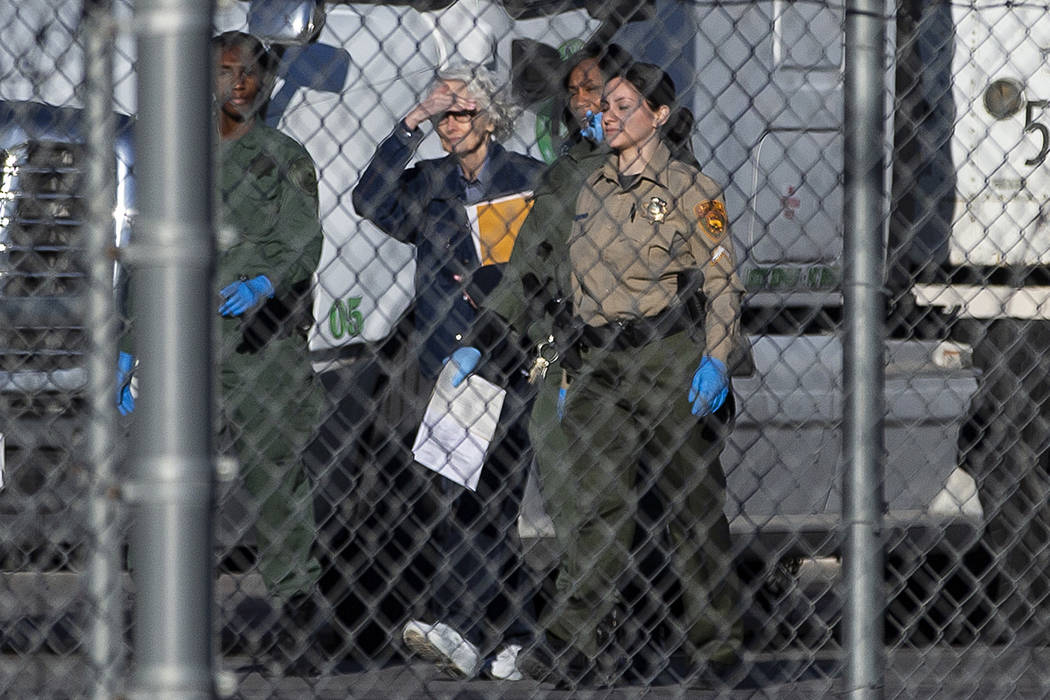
[(505, 666), (443, 646)]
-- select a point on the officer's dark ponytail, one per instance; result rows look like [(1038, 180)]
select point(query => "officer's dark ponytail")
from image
[(658, 89), (677, 135)]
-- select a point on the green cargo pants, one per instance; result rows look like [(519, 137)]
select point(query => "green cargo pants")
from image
[(625, 409), (271, 408)]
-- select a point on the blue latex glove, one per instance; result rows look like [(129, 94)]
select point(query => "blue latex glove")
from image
[(710, 386), (125, 399), (563, 393), (593, 130), (466, 360), (243, 295)]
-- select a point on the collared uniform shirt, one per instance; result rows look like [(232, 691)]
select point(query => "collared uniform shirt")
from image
[(267, 195), (267, 201), (628, 245)]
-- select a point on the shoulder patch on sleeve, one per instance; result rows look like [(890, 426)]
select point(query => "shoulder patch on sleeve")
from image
[(711, 214), (301, 173)]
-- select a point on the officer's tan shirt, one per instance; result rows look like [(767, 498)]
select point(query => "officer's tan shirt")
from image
[(627, 247)]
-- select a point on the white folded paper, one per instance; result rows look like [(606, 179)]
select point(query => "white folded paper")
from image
[(458, 426)]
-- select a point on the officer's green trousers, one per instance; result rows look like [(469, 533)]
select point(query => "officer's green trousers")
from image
[(625, 409), (271, 408)]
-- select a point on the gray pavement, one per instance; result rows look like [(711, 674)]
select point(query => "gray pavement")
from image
[(423, 681), (980, 673), (40, 658)]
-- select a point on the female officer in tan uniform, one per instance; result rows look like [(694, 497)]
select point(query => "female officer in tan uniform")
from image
[(644, 384)]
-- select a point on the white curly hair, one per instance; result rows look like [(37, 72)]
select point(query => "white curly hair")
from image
[(491, 96)]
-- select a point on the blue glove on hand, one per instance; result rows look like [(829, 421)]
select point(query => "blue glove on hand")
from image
[(593, 130), (710, 386), (244, 295), (466, 360), (125, 399), (563, 394)]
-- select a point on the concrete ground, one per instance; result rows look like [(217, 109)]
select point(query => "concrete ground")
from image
[(41, 658), (980, 673)]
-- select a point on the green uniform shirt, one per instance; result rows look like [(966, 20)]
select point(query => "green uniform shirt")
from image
[(266, 195), (268, 226), (269, 221)]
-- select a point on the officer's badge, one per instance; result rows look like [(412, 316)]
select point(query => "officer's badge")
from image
[(712, 217), (656, 210)]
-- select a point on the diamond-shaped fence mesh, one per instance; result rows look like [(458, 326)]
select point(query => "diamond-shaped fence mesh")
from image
[(528, 349)]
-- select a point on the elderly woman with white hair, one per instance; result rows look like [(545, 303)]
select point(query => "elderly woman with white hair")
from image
[(479, 614)]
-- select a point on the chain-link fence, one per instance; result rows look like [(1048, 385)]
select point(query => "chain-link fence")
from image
[(639, 481)]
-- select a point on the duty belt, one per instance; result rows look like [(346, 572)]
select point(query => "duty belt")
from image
[(636, 333), (570, 334)]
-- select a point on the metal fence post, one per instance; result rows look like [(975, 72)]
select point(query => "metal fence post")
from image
[(171, 296), (104, 585), (864, 172)]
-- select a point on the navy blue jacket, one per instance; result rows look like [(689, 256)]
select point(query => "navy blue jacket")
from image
[(424, 205)]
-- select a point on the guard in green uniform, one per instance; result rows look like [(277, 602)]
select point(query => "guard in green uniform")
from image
[(269, 246)]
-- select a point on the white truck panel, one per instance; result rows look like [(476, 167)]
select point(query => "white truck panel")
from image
[(1001, 215)]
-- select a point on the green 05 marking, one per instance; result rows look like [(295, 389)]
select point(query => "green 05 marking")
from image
[(344, 318)]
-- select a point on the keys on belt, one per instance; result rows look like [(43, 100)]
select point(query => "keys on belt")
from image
[(546, 353)]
